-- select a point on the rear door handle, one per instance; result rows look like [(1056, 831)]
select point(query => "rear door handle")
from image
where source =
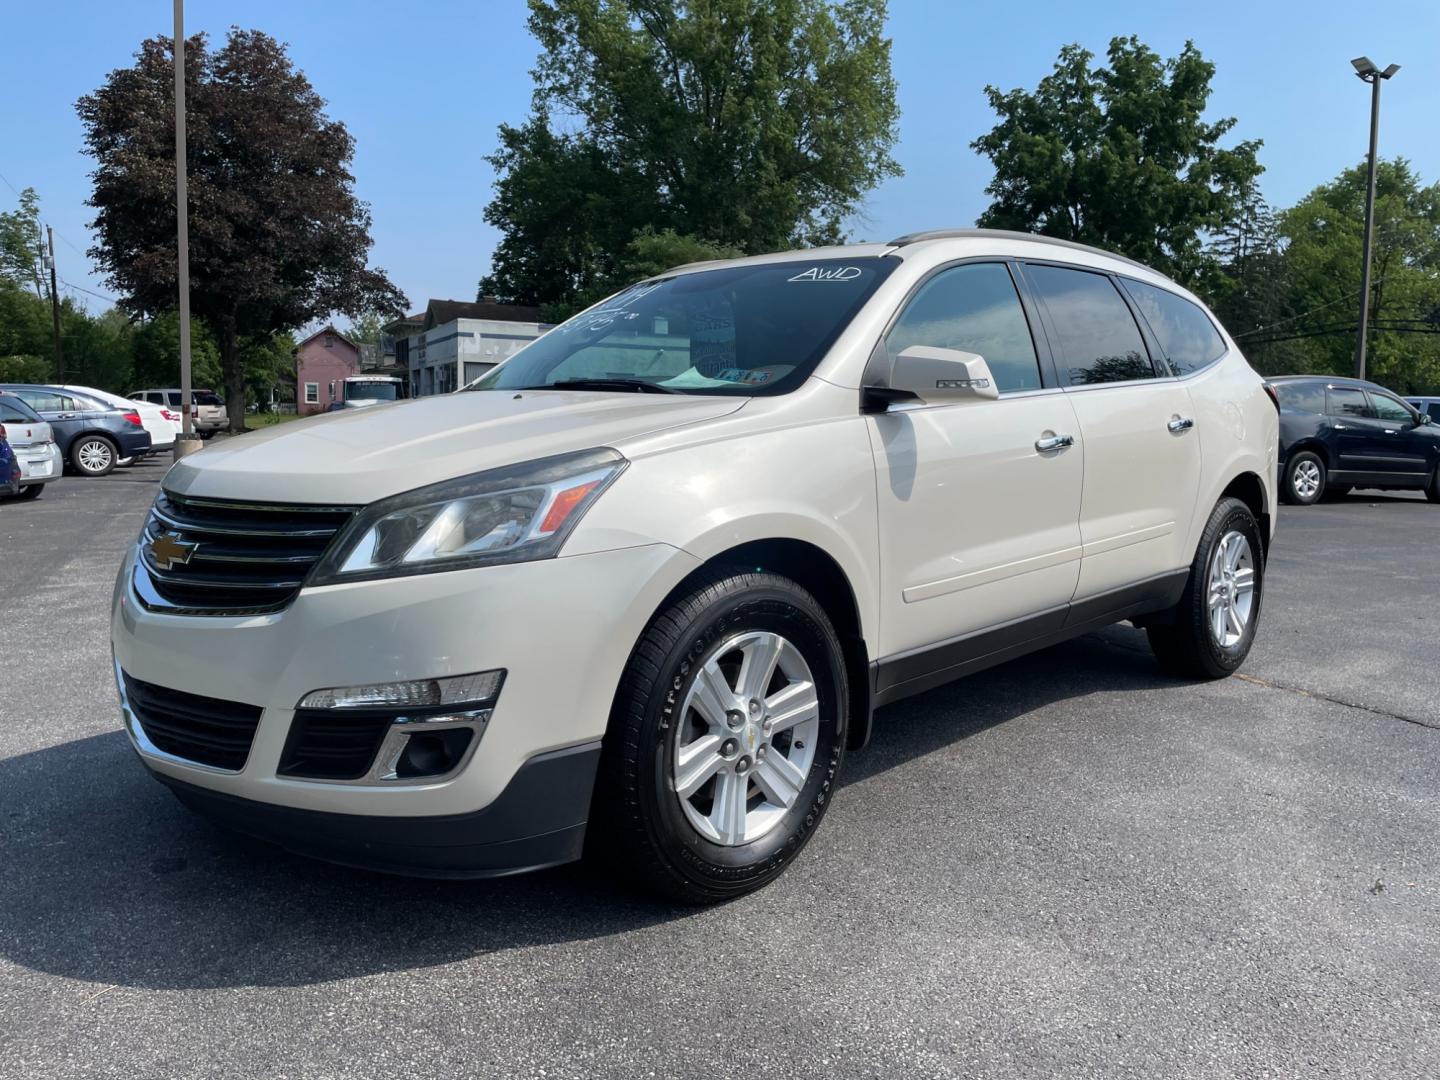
[(1181, 423), (1054, 442), (1339, 427)]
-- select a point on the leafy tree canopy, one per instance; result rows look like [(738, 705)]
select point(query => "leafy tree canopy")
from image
[(748, 125), (20, 244), (1118, 156), (277, 236)]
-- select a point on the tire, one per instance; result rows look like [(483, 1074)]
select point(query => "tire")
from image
[(1189, 644), (687, 847), (125, 462), (1304, 479), (93, 455), (30, 491), (1432, 489)]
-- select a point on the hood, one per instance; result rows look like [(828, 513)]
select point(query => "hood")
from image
[(356, 456)]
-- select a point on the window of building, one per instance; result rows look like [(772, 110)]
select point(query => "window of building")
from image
[(1098, 340), (329, 341), (1186, 334), (972, 308), (312, 393)]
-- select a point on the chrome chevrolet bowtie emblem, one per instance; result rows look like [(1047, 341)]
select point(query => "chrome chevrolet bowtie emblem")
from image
[(168, 550)]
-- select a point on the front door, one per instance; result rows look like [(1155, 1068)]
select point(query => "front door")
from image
[(1410, 446), (978, 512), (1142, 449)]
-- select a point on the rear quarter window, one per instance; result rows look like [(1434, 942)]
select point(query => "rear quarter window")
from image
[(1186, 335), (1302, 397)]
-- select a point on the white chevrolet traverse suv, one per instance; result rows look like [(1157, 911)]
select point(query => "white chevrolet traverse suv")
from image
[(638, 590)]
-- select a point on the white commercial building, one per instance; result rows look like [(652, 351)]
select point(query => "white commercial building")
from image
[(458, 341)]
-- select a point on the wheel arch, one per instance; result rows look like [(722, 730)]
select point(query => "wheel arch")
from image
[(1250, 489), (821, 575), (99, 433), (1314, 446)]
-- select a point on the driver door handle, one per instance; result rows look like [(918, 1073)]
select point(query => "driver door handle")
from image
[(1181, 423), (1054, 442), (1339, 427)]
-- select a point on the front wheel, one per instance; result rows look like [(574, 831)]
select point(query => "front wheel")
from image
[(1213, 626), (93, 455), (725, 740)]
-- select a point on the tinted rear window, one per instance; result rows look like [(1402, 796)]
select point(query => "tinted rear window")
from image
[(1186, 334), (203, 397), (1099, 341), (15, 411), (1303, 397)]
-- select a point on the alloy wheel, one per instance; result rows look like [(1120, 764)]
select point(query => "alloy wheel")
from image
[(1231, 591), (94, 456), (746, 738), (1306, 479)]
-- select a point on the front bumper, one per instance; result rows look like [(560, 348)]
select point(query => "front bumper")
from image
[(538, 821), (561, 628), (39, 464)]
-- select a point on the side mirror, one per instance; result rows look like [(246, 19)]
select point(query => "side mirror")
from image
[(936, 376)]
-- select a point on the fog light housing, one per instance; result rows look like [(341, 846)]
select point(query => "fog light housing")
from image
[(406, 731)]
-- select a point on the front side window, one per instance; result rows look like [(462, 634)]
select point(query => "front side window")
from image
[(973, 308), (1185, 333), (1387, 408), (759, 328), (1098, 339), (1344, 401), (43, 400), (312, 393)]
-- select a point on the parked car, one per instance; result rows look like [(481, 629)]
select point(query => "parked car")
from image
[(661, 565), (9, 467), (1338, 433), (160, 421), (207, 411), (34, 445), (1428, 407), (93, 437)]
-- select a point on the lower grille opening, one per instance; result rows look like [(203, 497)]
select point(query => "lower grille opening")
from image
[(205, 730), (328, 745)]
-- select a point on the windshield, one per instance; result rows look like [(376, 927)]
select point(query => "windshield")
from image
[(371, 391), (755, 329)]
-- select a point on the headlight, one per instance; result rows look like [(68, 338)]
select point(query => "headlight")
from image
[(514, 514)]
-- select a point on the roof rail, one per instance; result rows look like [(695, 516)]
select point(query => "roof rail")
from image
[(1010, 234)]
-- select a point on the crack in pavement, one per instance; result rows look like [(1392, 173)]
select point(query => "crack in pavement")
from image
[(1267, 684)]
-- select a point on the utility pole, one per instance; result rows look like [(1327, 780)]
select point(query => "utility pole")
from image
[(186, 443), (55, 308), (1368, 72)]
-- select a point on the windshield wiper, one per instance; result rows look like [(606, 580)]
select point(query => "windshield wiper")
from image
[(638, 386)]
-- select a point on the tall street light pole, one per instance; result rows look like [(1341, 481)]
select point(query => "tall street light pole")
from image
[(186, 443), (1368, 72)]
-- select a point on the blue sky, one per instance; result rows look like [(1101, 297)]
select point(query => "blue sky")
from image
[(423, 85)]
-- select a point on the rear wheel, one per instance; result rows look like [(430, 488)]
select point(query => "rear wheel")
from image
[(30, 491), (725, 740), (1304, 479), (1213, 625), (93, 455), (1432, 489)]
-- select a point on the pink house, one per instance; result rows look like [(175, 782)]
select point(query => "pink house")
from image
[(322, 362)]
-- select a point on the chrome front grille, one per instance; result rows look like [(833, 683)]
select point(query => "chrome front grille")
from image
[(214, 557)]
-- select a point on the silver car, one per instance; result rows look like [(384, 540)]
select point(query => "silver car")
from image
[(34, 445)]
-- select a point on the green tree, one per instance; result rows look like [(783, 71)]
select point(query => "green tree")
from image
[(747, 124), (156, 353), (277, 237), (1118, 156), (1323, 241), (21, 244)]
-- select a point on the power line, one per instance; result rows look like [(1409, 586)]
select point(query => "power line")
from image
[(98, 296), (1303, 314)]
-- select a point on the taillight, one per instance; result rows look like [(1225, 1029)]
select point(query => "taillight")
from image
[(169, 415), (1274, 397), (2, 431), (133, 418)]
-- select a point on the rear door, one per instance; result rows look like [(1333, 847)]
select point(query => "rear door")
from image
[(1142, 448), (59, 411), (1363, 445)]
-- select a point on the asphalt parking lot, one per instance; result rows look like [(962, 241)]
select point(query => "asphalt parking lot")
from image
[(1069, 865)]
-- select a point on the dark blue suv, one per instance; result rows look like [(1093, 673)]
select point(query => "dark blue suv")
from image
[(1337, 433), (93, 436)]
